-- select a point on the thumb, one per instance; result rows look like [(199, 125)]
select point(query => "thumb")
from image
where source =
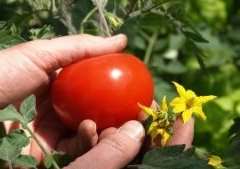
[(114, 151), (32, 62)]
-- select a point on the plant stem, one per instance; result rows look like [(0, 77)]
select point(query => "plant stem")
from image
[(85, 19), (131, 8), (66, 18), (149, 50), (46, 153), (102, 18), (144, 11), (53, 7)]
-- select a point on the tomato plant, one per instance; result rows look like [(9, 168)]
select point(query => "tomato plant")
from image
[(106, 89), (172, 37)]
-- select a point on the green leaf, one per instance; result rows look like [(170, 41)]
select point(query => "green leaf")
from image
[(18, 138), (235, 128), (193, 34), (25, 161), (7, 39), (177, 10), (12, 144), (163, 88), (10, 113), (235, 140), (193, 48), (153, 22), (62, 159), (153, 156), (143, 166), (28, 108), (44, 32), (171, 67), (48, 160), (173, 157), (7, 151)]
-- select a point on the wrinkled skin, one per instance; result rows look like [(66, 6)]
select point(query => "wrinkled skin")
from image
[(29, 67)]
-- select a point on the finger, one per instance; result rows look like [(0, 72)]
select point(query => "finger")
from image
[(183, 133), (120, 148), (32, 61), (52, 54), (87, 135), (47, 127), (107, 132), (85, 139)]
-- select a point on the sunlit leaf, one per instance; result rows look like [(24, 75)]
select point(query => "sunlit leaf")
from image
[(28, 108), (25, 161), (10, 113), (173, 157), (12, 144)]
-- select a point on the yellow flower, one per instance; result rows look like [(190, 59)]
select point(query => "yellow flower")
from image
[(188, 103), (158, 111), (215, 161), (149, 111), (160, 121), (114, 20), (164, 105), (155, 132)]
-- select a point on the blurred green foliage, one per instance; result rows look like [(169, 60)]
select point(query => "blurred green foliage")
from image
[(194, 42)]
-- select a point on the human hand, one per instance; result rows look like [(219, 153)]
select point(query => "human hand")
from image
[(28, 68)]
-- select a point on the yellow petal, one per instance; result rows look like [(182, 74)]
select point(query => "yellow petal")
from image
[(215, 161), (205, 99), (197, 110), (153, 127), (190, 95), (154, 134), (164, 106), (149, 111), (165, 137), (180, 89), (186, 116), (178, 104)]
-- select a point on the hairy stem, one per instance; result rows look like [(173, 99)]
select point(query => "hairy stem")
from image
[(67, 18), (53, 6), (144, 11), (102, 18), (46, 153), (149, 50), (131, 8), (85, 19)]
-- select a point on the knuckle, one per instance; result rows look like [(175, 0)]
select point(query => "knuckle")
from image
[(119, 145)]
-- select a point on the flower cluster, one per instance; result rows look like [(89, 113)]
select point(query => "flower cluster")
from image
[(215, 162), (161, 121), (185, 105)]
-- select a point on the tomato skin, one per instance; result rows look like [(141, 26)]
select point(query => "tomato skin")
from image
[(105, 89)]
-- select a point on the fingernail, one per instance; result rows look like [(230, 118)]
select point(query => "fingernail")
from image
[(119, 37), (133, 129)]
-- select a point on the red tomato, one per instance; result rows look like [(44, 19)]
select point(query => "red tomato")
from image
[(105, 89)]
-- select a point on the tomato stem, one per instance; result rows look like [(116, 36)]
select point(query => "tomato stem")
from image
[(53, 7), (102, 17), (149, 50), (66, 18), (46, 153), (85, 19)]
